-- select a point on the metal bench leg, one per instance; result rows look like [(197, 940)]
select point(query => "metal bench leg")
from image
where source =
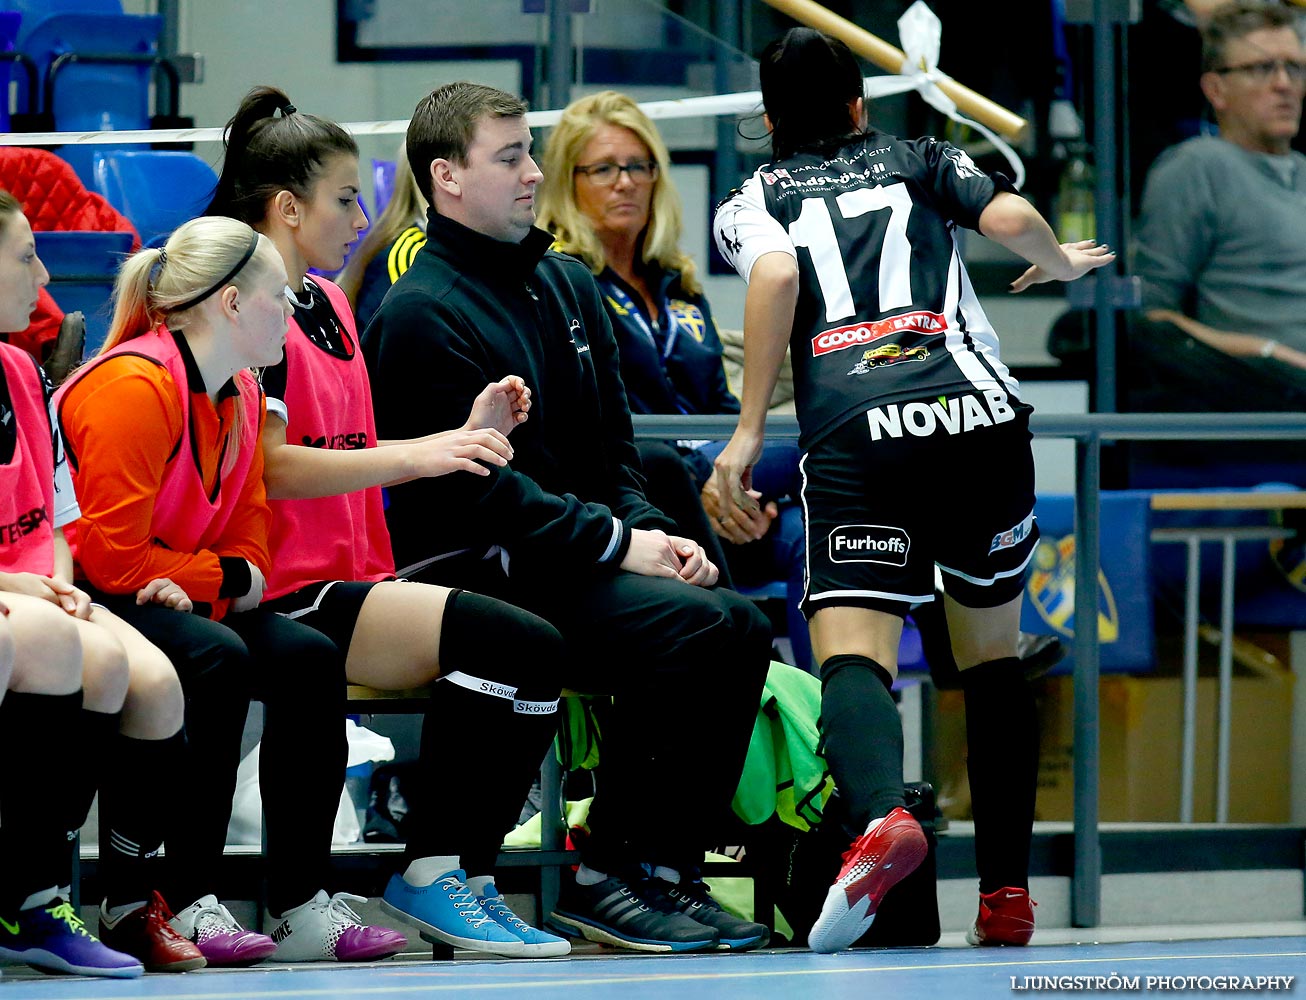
[(553, 831), (1192, 589)]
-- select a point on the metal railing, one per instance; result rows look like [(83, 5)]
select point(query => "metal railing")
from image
[(1088, 431)]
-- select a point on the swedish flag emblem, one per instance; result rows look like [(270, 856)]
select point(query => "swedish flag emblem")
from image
[(688, 317)]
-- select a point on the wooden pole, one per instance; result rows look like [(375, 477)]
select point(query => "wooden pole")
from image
[(890, 58)]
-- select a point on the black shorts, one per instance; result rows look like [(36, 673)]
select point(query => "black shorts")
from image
[(331, 608), (882, 513)]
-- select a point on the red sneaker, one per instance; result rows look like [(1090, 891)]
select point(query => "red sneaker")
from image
[(145, 933), (890, 850), (1005, 917)]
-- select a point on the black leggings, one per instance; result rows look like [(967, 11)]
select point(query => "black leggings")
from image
[(479, 749), (685, 666), (299, 676)]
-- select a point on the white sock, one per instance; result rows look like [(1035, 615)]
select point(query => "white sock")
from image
[(667, 874), (586, 875), (424, 871), (43, 898), (479, 883), (114, 912)]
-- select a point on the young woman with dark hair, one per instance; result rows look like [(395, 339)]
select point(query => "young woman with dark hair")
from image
[(915, 453), (294, 178)]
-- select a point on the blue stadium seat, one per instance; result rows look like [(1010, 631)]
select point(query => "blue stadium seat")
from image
[(10, 22), (383, 183), (156, 190), (39, 8), (82, 267), (92, 96)]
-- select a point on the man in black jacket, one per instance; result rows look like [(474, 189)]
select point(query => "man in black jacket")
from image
[(565, 530)]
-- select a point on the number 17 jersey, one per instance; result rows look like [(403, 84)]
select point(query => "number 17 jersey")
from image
[(887, 321)]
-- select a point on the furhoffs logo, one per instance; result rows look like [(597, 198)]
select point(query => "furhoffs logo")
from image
[(874, 543)]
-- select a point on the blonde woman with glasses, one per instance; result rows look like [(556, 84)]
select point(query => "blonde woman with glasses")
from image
[(608, 199)]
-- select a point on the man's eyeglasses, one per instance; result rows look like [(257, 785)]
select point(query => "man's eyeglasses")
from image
[(606, 174), (1267, 69)]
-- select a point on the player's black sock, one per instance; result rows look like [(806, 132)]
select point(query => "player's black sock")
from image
[(96, 733), (861, 733), (43, 749), (1002, 762), (509, 703), (134, 812)]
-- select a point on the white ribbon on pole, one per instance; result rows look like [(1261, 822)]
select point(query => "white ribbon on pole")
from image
[(921, 32)]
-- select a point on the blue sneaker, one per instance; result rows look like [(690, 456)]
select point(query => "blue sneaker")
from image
[(449, 911), (539, 944), (53, 938)]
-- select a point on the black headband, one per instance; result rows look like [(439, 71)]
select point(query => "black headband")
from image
[(225, 279)]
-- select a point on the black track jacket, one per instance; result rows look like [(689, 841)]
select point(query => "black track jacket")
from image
[(469, 311)]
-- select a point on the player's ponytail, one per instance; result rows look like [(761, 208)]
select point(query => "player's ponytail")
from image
[(272, 147)]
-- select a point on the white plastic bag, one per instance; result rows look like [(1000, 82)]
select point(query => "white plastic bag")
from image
[(246, 826)]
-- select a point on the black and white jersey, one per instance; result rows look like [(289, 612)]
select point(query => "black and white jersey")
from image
[(886, 315)]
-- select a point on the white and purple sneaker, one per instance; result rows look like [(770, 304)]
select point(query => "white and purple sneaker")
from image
[(325, 929), (216, 933)]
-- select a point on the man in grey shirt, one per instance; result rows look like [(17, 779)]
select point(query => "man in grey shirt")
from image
[(1221, 247)]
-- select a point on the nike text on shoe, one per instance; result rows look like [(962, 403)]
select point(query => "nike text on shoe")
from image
[(890, 850), (146, 933), (694, 900), (537, 943), (325, 929), (1005, 917), (219, 937), (449, 911), (53, 938), (613, 912)]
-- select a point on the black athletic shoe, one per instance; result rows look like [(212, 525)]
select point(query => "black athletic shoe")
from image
[(692, 897), (613, 912)]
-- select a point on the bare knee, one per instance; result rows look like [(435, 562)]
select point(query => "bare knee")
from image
[(979, 635), (155, 706), (47, 649), (104, 671)]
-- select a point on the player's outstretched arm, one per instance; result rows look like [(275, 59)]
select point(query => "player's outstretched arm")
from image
[(1013, 222)]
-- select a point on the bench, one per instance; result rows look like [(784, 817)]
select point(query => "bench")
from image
[(552, 855)]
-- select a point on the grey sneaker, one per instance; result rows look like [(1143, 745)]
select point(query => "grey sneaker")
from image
[(613, 912), (692, 897)]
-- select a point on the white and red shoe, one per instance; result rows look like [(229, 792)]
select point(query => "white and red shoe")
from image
[(891, 849), (1005, 917)]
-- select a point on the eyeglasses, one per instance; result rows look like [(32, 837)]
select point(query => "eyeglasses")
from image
[(606, 174), (1267, 69)]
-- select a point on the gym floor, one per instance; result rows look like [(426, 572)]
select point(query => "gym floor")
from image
[(950, 969)]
